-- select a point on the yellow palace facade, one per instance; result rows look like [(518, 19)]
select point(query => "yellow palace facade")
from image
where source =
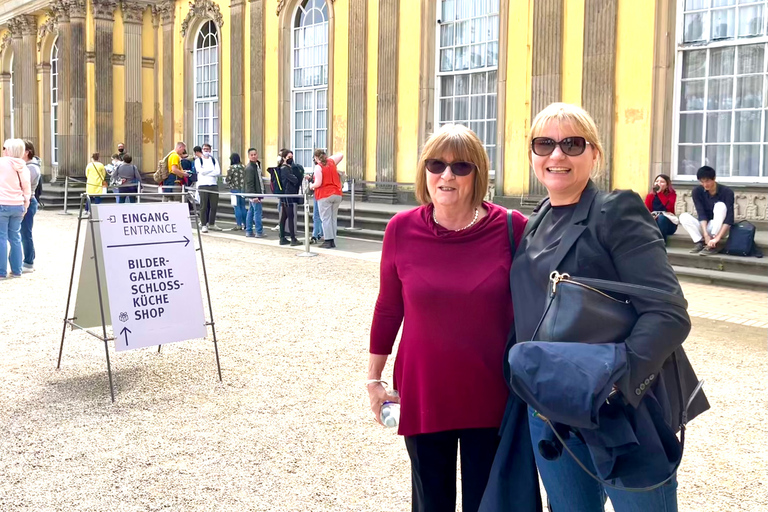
[(672, 84)]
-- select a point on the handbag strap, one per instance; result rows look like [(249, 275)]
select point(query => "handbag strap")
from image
[(634, 290)]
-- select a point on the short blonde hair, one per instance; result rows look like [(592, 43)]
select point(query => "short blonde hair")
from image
[(466, 147), (578, 118), (15, 147)]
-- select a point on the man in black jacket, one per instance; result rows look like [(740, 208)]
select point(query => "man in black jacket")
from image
[(254, 185)]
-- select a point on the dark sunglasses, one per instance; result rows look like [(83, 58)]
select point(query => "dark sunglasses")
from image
[(458, 168), (571, 146)]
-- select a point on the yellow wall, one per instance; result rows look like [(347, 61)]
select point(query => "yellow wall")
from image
[(178, 76), (518, 115), (118, 80), (408, 52), (340, 77), (634, 95), (270, 86), (225, 89), (372, 85), (573, 50), (148, 95)]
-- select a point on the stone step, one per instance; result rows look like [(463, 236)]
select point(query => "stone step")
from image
[(718, 262), (731, 279)]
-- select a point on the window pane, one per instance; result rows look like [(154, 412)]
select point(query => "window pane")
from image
[(688, 160), (694, 64), (493, 55), (490, 110), (747, 127), (478, 128), (477, 56), (449, 11), (446, 35), (749, 91), (692, 97), (446, 60), (720, 95), (462, 33), (718, 127), (446, 109), (492, 82), (694, 27), (299, 121), (461, 58), (719, 157), (751, 20), (691, 5), (723, 3), (446, 86), (477, 107), (478, 83), (462, 85), (746, 160), (490, 132), (721, 61), (751, 59), (691, 127), (723, 23), (461, 109)]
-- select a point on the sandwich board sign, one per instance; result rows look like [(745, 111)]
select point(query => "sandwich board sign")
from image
[(150, 267)]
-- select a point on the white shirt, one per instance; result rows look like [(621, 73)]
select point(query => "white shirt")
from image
[(207, 172)]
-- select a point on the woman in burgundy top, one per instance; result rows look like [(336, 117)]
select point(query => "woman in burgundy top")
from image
[(445, 277), (661, 204)]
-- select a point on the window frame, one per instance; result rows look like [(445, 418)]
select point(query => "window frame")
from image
[(211, 104), (681, 48), (54, 91), (13, 117)]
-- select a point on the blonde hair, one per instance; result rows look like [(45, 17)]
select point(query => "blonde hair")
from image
[(465, 146), (15, 147), (575, 116)]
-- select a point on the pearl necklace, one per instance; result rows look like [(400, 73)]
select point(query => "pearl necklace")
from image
[(477, 214)]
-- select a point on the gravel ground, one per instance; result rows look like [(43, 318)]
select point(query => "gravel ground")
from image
[(289, 428)]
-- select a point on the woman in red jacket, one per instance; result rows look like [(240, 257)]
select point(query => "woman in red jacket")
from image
[(661, 204)]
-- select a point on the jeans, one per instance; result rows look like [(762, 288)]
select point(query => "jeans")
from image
[(666, 226), (96, 200), (317, 224), (26, 233), (570, 489), (239, 209), (329, 213), (209, 203), (10, 231), (126, 199), (254, 217)]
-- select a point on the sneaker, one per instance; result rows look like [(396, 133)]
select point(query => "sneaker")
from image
[(314, 240), (260, 235), (14, 275), (708, 251), (697, 248), (204, 229), (250, 235), (214, 227), (295, 242), (275, 228), (27, 269), (284, 241)]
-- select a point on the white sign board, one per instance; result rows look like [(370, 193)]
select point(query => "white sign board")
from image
[(151, 274)]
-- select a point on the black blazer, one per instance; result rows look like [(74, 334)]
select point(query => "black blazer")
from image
[(612, 236)]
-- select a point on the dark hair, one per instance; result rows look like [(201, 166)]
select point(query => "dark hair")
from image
[(127, 158), (321, 156), (206, 144), (706, 173), (115, 157), (665, 178), (197, 149), (253, 149), (234, 159), (95, 156), (284, 152), (29, 148)]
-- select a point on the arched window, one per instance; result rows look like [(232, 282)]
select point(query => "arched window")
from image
[(467, 65), (309, 87), (55, 102), (207, 87), (11, 104)]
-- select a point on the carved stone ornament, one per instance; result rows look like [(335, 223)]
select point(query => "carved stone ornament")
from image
[(166, 11), (281, 4), (201, 9), (104, 9), (60, 10), (5, 42), (133, 12), (77, 8), (24, 25), (49, 27)]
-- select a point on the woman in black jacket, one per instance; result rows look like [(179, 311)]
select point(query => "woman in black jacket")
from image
[(290, 175)]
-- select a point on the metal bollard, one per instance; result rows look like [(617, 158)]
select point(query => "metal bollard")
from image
[(66, 195), (306, 252), (138, 189), (183, 197), (352, 206)]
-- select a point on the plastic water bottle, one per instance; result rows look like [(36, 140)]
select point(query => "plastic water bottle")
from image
[(390, 413)]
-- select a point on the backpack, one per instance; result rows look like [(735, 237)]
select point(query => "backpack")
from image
[(161, 174), (741, 239)]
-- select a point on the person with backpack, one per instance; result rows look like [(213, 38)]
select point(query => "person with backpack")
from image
[(714, 207), (208, 172), (290, 175), (126, 177), (236, 180)]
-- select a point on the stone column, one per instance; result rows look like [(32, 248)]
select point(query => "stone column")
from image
[(547, 73), (78, 147), (237, 104), (256, 66), (15, 26), (386, 105), (356, 88), (65, 88), (5, 81), (104, 17), (167, 14), (133, 18)]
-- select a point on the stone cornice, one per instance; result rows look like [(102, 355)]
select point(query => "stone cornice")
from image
[(49, 27), (148, 62), (133, 12), (90, 57), (202, 9), (104, 9), (118, 59), (281, 5)]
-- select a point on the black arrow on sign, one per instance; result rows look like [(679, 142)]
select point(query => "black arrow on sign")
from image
[(125, 331), (185, 242)]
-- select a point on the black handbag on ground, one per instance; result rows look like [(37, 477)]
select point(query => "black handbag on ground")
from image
[(596, 311)]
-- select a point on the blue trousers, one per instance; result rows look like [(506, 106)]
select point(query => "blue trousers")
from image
[(253, 217), (570, 489), (10, 231), (239, 209), (317, 223), (26, 233)]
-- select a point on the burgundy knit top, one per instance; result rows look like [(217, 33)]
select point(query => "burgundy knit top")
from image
[(450, 290)]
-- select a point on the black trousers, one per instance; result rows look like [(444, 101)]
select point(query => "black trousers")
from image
[(286, 213), (433, 468), (209, 203)]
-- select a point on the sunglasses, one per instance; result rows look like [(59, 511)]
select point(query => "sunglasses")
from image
[(571, 146), (458, 168)]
